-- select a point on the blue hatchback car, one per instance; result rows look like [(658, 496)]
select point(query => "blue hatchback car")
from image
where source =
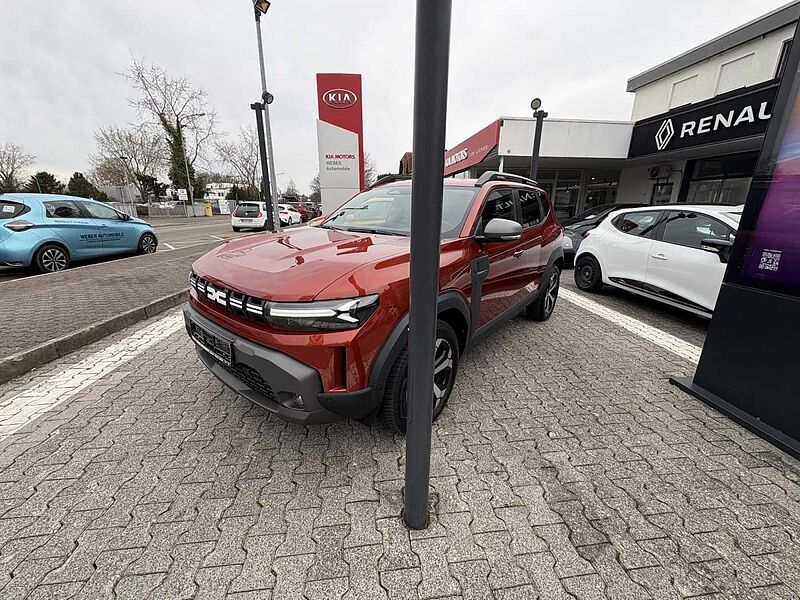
[(48, 232)]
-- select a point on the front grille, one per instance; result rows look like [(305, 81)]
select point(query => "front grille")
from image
[(251, 379), (242, 305)]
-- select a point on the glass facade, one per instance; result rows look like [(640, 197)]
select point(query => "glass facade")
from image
[(720, 179)]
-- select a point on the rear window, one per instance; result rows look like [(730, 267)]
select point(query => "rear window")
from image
[(247, 210), (10, 210)]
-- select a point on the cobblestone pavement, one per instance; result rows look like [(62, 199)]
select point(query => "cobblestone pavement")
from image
[(565, 466), (38, 309)]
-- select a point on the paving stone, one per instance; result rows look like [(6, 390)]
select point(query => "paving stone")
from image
[(257, 573), (437, 580), (364, 575), (326, 589), (401, 584)]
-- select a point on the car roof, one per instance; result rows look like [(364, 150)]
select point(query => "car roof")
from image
[(708, 208), (31, 199)]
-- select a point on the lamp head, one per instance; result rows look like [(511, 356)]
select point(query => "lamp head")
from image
[(536, 103)]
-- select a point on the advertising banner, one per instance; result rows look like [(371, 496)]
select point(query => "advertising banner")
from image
[(473, 150), (340, 138)]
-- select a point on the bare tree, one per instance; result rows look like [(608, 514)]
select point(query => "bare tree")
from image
[(13, 161), (316, 190), (369, 169), (128, 155), (180, 109), (241, 156)]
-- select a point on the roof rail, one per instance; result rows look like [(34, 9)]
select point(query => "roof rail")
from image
[(496, 176), (390, 179)]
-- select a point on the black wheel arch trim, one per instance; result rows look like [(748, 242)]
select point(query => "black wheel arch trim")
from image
[(397, 339), (58, 243)]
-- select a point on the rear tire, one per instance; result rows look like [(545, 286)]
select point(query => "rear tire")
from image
[(395, 399), (147, 244), (588, 274), (544, 305), (236, 229), (51, 258)]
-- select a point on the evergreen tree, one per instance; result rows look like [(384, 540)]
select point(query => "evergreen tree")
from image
[(44, 183), (79, 186)]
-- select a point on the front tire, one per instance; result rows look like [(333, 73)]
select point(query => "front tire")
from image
[(236, 229), (588, 274), (51, 258), (544, 305), (395, 399), (147, 244)]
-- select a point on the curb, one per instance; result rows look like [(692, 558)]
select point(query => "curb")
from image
[(22, 362)]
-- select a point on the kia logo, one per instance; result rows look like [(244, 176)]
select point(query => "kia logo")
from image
[(340, 98)]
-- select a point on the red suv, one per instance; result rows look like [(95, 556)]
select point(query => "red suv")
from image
[(312, 323)]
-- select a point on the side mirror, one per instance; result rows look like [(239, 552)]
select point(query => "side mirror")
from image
[(722, 248), (501, 230)]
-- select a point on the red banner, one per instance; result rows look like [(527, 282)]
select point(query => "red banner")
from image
[(472, 150)]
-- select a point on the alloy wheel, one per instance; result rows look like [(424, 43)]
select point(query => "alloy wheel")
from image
[(551, 294), (442, 376), (53, 260), (148, 244)]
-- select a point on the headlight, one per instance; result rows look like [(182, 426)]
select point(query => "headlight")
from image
[(566, 242), (325, 315)]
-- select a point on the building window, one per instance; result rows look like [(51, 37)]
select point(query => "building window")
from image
[(683, 92), (784, 58), (722, 179), (601, 188), (734, 74), (662, 193)]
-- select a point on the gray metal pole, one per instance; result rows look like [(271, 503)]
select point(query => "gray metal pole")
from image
[(268, 126), (186, 165), (430, 111), (262, 148), (537, 142)]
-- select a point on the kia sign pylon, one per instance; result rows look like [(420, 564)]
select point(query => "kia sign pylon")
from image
[(340, 138)]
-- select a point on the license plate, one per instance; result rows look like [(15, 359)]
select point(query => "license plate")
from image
[(246, 220), (219, 348)]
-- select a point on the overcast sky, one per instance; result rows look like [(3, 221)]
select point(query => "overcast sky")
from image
[(60, 64)]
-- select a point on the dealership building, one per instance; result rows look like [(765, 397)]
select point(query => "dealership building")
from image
[(697, 124)]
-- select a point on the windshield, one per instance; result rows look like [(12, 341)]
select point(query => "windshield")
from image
[(736, 216), (388, 210)]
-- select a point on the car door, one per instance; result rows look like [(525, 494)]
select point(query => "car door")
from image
[(531, 218), (626, 244), (116, 235), (504, 284), (678, 268), (80, 234)]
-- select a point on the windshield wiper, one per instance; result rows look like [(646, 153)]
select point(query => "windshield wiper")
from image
[(374, 231)]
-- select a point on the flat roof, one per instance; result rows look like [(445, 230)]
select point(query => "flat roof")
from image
[(778, 18), (549, 119)]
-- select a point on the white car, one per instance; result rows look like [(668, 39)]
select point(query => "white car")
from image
[(249, 215), (675, 254), (288, 215)]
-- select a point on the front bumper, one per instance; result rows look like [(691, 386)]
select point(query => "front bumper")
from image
[(277, 382)]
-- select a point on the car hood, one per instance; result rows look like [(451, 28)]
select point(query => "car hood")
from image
[(294, 265)]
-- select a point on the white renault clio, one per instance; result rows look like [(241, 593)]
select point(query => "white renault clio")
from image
[(249, 215), (675, 254)]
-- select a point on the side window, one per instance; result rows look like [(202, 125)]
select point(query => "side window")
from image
[(499, 205), (531, 208), (690, 229), (640, 224), (62, 209), (98, 211)]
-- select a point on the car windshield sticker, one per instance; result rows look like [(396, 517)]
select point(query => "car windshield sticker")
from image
[(9, 208)]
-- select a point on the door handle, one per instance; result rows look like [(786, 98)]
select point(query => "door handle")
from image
[(518, 253), (659, 256)]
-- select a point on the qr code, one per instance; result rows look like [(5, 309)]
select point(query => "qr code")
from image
[(770, 259)]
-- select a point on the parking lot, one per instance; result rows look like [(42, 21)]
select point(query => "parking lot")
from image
[(564, 466)]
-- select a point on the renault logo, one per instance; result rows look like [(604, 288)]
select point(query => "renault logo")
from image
[(664, 134)]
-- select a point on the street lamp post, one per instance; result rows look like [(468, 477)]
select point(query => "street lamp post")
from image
[(430, 109), (273, 221), (261, 7), (540, 116)]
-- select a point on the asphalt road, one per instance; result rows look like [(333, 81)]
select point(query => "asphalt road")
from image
[(173, 234)]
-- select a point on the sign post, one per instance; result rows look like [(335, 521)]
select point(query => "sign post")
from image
[(430, 111), (340, 136)]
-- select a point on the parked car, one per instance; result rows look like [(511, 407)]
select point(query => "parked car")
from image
[(313, 209), (312, 323), (675, 254), (575, 228), (288, 215), (299, 207), (49, 232), (249, 215)]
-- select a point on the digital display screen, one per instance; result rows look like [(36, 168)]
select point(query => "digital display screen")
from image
[(771, 237)]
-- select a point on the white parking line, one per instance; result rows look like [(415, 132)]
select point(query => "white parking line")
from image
[(25, 407), (170, 246), (660, 338), (216, 237)]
